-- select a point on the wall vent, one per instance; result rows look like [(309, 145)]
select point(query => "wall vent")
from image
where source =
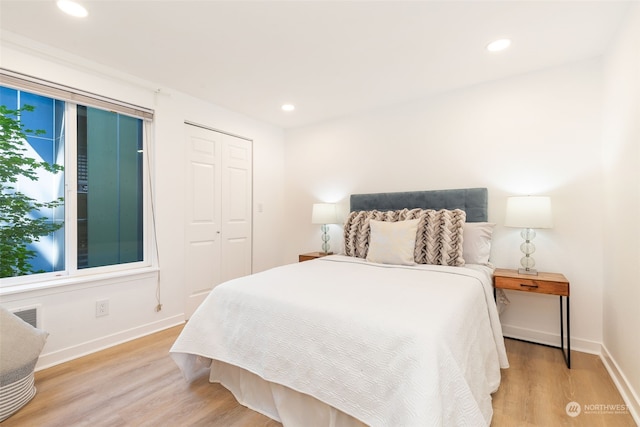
[(31, 315)]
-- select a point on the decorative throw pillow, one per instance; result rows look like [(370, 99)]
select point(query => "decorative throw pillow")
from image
[(476, 245), (438, 239), (356, 228), (392, 242)]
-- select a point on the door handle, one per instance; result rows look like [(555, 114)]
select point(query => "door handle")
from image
[(524, 285)]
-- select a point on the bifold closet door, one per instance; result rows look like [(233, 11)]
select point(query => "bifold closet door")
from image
[(217, 211), (236, 208)]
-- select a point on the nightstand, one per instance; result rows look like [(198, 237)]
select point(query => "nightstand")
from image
[(543, 283), (312, 255)]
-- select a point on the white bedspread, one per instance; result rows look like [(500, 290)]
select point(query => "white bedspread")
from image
[(390, 346)]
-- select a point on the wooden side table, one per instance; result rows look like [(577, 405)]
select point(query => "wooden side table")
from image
[(312, 255), (543, 283)]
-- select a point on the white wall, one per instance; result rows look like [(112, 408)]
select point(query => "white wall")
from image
[(621, 160), (68, 312), (539, 133)]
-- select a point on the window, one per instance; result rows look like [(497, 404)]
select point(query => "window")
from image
[(101, 220), (47, 118), (109, 195)]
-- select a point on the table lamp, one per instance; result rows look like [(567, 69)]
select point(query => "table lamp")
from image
[(325, 214), (528, 213)]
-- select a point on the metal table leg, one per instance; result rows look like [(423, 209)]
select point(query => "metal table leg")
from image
[(567, 354)]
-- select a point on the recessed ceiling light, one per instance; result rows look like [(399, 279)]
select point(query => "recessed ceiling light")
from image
[(72, 8), (288, 107), (498, 45)]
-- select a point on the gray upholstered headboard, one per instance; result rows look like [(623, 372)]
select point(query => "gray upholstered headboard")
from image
[(471, 200)]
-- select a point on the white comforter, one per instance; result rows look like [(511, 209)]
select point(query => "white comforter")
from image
[(388, 345)]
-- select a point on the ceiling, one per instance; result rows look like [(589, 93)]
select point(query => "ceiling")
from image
[(329, 58)]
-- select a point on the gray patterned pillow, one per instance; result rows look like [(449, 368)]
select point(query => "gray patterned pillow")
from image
[(438, 240)]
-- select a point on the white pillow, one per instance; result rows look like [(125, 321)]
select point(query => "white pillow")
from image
[(476, 242), (392, 242)]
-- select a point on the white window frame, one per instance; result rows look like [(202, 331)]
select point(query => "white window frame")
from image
[(71, 274)]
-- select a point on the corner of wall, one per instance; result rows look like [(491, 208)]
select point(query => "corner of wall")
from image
[(629, 395)]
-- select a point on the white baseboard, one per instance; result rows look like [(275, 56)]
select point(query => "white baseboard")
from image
[(60, 356), (628, 393), (546, 338)]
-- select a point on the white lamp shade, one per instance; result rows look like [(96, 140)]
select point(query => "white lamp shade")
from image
[(529, 212), (324, 213)]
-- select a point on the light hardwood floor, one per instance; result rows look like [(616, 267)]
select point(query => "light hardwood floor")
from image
[(138, 384)]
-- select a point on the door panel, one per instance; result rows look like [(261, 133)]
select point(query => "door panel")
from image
[(236, 216), (218, 212), (202, 212)]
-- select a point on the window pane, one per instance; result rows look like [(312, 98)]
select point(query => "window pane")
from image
[(109, 188), (43, 141)]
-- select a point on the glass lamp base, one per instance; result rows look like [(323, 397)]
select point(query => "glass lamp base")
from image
[(527, 262), (325, 239)]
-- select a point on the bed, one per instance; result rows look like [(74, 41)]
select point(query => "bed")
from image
[(370, 336)]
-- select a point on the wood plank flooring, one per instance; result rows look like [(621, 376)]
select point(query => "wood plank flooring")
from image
[(537, 388), (138, 384)]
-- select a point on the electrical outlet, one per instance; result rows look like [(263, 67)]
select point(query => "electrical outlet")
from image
[(102, 308)]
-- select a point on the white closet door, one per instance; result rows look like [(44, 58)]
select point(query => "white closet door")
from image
[(203, 215), (236, 207), (217, 212)]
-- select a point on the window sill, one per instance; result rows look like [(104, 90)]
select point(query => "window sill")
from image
[(66, 284)]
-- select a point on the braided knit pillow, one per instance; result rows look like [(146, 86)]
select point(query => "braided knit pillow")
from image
[(438, 240)]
